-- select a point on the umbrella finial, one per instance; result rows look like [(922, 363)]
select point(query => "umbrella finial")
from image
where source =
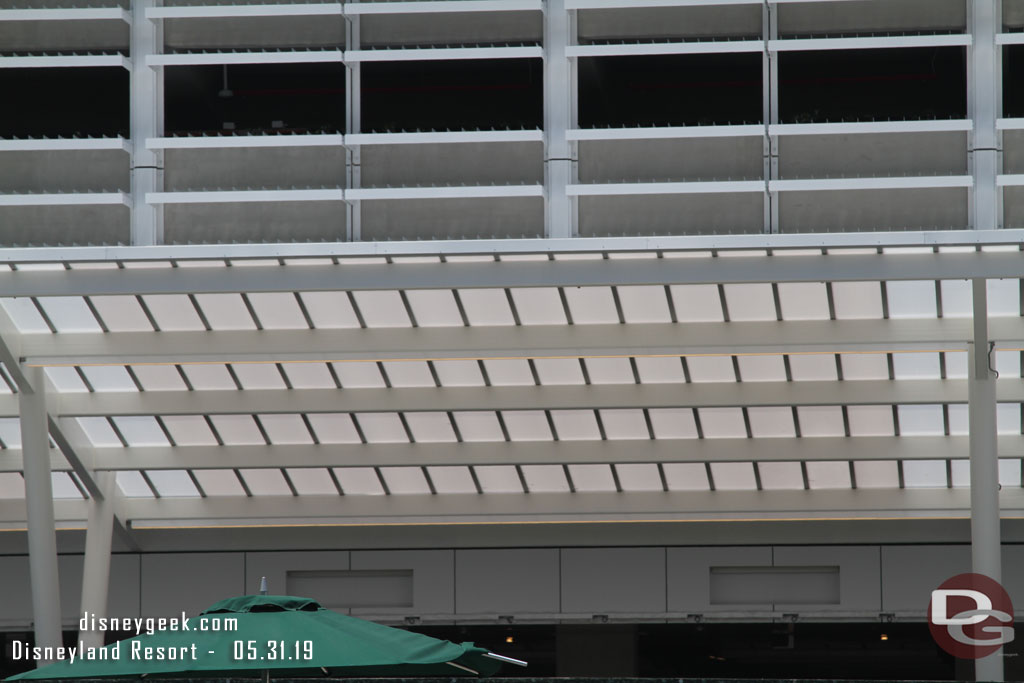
[(263, 585)]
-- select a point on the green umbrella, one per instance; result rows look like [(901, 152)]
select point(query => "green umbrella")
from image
[(280, 634)]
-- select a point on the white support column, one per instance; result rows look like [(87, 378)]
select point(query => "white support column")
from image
[(559, 117), (984, 104), (96, 572), (770, 115), (353, 124), (147, 121), (42, 535), (986, 555)]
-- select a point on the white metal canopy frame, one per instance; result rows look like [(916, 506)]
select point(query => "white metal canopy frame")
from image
[(621, 380)]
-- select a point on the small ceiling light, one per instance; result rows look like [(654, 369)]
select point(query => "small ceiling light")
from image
[(510, 639), (884, 637)]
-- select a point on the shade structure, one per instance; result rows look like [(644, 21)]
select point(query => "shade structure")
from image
[(285, 635)]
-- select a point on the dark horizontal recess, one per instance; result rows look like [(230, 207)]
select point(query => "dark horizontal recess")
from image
[(83, 101), (452, 95), (669, 90), (872, 85), (1013, 78), (301, 97)]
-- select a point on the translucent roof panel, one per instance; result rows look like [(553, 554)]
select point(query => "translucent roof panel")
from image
[(911, 298), (589, 305), (486, 306), (673, 423), (762, 368), (686, 476), (916, 366), (697, 303), (219, 482), (924, 474), (430, 427), (870, 420), (258, 376), (452, 479), (539, 306), (956, 364), (359, 375), (959, 420), (309, 376), (592, 478), (64, 486), (722, 423), (99, 431), (278, 311), (434, 307), (382, 309), (711, 369), (459, 373), (285, 429), (159, 378), (69, 314), (359, 481), (225, 312), (803, 301), (1007, 363), (141, 430), (265, 482), (237, 430), (312, 481), (382, 427), (410, 373), (12, 486), (109, 378), (121, 313), (609, 371), (644, 304), (66, 379), (1008, 418), (921, 420), (813, 367), (857, 300), (478, 426), (780, 476), (877, 474), (334, 428), (957, 298), (508, 372), (329, 310), (1004, 298), (639, 477), (10, 432), (821, 421), (771, 422), (498, 479), (189, 430), (527, 425), (133, 485), (173, 484), (1009, 473), (750, 302), (209, 377), (733, 476), (173, 312), (555, 371), (576, 425), (660, 370), (624, 423), (545, 478), (831, 474), (863, 366), (24, 314)]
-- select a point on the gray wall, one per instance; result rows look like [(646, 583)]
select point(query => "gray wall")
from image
[(572, 585)]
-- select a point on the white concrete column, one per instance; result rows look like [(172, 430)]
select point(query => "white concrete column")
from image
[(353, 124), (986, 556), (984, 100), (42, 535), (559, 117), (147, 121), (96, 572), (770, 114)]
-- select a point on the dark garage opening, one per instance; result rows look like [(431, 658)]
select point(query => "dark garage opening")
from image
[(64, 102), (872, 85), (452, 95), (673, 90), (257, 98)]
